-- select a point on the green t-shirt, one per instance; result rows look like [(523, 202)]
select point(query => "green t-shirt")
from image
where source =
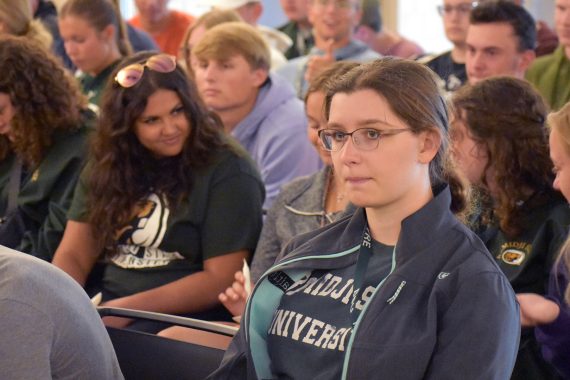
[(92, 86), (222, 214)]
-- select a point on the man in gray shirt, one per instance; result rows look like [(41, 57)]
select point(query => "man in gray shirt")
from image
[(48, 326)]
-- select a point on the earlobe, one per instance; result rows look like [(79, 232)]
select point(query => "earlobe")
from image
[(430, 141)]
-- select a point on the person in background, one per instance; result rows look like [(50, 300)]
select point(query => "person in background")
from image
[(139, 39), (16, 20), (334, 22), (250, 11), (166, 26), (298, 28), (550, 314), (44, 127), (50, 329), (46, 12), (521, 219), (95, 40), (202, 24), (372, 33), (402, 277), (550, 74), (450, 65), (500, 41), (160, 198), (258, 108)]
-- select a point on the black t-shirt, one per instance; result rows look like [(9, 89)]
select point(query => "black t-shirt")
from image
[(453, 74), (312, 325)]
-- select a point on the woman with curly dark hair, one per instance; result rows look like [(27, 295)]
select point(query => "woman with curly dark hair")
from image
[(500, 142), (172, 204), (42, 145)]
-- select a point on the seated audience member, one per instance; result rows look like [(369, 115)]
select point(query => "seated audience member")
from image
[(171, 204), (546, 39), (334, 41), (250, 11), (500, 41), (551, 314), (50, 329), (139, 39), (437, 298), (303, 205), (450, 65), (43, 139), (95, 40), (258, 108), (551, 74), (371, 32), (500, 143), (166, 26), (202, 24), (46, 12), (16, 19), (298, 28)]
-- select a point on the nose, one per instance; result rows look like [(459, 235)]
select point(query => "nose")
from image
[(169, 126), (70, 48), (349, 153)]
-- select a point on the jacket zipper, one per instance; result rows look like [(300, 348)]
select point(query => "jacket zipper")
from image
[(358, 320)]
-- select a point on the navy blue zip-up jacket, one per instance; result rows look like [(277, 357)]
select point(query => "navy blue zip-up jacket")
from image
[(445, 311)]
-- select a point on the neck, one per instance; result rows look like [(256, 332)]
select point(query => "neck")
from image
[(458, 53), (232, 117), (336, 199), (385, 222), (304, 24), (114, 55), (151, 26)]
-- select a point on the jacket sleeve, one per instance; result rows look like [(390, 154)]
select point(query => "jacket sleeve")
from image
[(478, 334), (268, 246), (555, 337)]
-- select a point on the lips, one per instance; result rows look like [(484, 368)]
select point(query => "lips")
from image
[(210, 92), (172, 140), (356, 181)]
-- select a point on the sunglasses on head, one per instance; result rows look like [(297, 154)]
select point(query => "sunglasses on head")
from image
[(130, 75)]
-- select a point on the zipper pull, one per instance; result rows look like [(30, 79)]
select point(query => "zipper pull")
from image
[(397, 293)]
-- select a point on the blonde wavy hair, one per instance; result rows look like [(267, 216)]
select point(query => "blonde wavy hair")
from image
[(16, 19)]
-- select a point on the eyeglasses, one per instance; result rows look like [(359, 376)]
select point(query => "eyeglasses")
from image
[(130, 75), (339, 4), (364, 138), (462, 9)]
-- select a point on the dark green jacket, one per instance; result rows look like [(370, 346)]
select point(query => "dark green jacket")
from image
[(527, 260), (46, 191)]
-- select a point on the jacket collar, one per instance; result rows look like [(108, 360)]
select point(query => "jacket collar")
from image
[(419, 230)]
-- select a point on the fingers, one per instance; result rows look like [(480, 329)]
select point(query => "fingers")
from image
[(329, 49)]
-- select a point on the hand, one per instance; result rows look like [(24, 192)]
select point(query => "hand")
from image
[(235, 297), (317, 64), (536, 310)]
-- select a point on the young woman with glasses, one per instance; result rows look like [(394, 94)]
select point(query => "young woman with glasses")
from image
[(500, 143), (171, 205), (44, 126), (401, 289)]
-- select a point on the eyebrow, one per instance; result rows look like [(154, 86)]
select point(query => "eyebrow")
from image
[(362, 124)]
